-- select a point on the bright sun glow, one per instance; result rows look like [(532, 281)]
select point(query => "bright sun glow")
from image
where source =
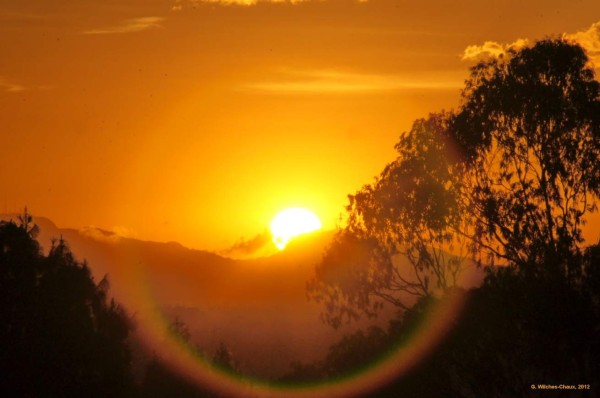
[(292, 222)]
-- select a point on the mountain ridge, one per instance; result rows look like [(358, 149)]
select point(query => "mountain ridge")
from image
[(256, 306)]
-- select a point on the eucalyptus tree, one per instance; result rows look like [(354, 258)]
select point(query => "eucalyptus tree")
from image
[(511, 175)]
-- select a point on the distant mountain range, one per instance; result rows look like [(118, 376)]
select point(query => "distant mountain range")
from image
[(179, 276), (258, 307)]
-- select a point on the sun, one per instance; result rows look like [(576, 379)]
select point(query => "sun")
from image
[(292, 222)]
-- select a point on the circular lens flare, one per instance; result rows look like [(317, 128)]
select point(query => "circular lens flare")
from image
[(197, 369), (292, 222)]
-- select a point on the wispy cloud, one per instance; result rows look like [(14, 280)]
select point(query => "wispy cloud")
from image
[(332, 81), (103, 235), (124, 232), (259, 245), (588, 39), (129, 26), (181, 4), (98, 234), (6, 15), (10, 86)]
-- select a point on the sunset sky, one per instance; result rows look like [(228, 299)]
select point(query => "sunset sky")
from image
[(197, 121)]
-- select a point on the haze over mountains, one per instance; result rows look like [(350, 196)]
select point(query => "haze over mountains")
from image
[(257, 307)]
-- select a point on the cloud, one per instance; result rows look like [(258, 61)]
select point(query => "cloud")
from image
[(103, 235), (129, 26), (98, 234), (257, 246), (124, 232), (181, 4), (332, 81), (9, 86), (492, 49), (589, 39)]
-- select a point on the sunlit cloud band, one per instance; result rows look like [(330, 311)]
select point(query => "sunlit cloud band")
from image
[(9, 86), (181, 4), (331, 81), (129, 26)]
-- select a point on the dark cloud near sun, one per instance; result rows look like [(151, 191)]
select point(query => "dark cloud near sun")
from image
[(256, 246)]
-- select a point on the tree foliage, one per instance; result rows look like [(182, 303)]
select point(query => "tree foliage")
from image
[(514, 331), (60, 335), (399, 243), (529, 126), (162, 380), (224, 358), (510, 175)]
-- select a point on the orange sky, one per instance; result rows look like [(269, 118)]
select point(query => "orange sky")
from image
[(197, 121)]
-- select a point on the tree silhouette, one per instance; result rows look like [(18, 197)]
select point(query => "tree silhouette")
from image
[(180, 330), (510, 176), (26, 223), (59, 334), (513, 333), (529, 127), (399, 243), (161, 381), (362, 349), (351, 353), (224, 358)]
